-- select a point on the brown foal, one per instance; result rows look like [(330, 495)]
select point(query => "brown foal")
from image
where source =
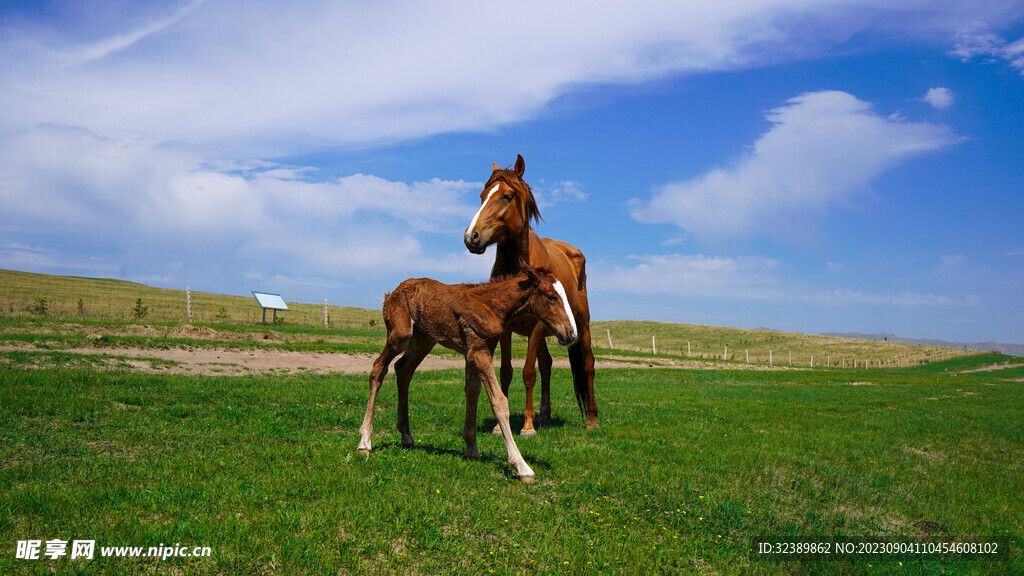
[(467, 318)]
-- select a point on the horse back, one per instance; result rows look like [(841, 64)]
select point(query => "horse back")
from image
[(571, 255)]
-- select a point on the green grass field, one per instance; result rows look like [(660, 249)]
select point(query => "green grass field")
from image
[(689, 470), (688, 473)]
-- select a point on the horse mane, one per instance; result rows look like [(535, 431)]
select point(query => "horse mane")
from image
[(505, 277), (509, 176)]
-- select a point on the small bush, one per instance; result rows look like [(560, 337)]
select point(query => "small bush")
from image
[(140, 310), (41, 307)]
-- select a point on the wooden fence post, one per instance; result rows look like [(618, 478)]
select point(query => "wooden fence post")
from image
[(188, 302), (325, 312), (609, 331)]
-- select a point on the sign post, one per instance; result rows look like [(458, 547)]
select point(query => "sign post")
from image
[(270, 302)]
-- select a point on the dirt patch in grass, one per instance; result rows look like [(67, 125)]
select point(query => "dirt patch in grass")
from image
[(993, 367), (223, 362)]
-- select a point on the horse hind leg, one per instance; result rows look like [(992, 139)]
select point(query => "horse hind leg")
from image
[(419, 347), (392, 348), (472, 400)]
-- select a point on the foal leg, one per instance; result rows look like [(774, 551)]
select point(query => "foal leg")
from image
[(419, 347), (472, 399), (499, 405), (506, 361), (506, 371), (394, 345)]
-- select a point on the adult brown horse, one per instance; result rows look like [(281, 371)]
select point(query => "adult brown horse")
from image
[(507, 206), (464, 317)]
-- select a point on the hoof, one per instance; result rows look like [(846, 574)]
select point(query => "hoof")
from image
[(364, 451), (526, 479), (592, 426), (496, 431), (528, 433)]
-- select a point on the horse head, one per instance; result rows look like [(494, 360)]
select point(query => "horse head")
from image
[(506, 208), (550, 305)]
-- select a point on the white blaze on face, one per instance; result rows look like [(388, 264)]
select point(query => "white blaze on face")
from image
[(565, 302), (475, 217)]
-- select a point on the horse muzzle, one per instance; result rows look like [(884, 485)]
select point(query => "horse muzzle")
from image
[(568, 338), (473, 243)]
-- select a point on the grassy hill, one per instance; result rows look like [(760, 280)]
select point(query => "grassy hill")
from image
[(42, 300)]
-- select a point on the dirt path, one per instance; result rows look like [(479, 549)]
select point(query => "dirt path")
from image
[(212, 361)]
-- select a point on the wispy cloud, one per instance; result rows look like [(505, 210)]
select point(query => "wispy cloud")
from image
[(744, 279), (271, 78), (983, 44), (822, 148), (751, 278), (559, 192)]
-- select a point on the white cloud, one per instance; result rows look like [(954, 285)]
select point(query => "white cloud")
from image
[(274, 77), (559, 192), (692, 275), (821, 149), (163, 208), (983, 44), (939, 98), (749, 278)]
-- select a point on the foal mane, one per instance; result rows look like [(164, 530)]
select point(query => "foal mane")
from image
[(542, 270), (529, 204)]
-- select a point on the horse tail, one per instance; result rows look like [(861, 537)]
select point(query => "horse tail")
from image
[(579, 378)]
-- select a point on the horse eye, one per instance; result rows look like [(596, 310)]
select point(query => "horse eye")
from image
[(550, 297), (507, 197)]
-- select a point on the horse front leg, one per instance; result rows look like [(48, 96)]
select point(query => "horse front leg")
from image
[(499, 405), (472, 399), (530, 377), (506, 371), (544, 362)]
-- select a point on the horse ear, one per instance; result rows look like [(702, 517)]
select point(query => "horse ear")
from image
[(531, 275), (494, 167), (520, 165)]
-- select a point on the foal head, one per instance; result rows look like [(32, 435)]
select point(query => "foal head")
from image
[(506, 208), (550, 305)]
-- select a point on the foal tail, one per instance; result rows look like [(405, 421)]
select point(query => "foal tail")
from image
[(579, 378)]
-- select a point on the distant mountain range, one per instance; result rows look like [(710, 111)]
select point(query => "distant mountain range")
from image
[(1011, 349)]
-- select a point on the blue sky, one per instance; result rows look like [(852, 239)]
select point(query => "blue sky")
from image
[(805, 166)]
